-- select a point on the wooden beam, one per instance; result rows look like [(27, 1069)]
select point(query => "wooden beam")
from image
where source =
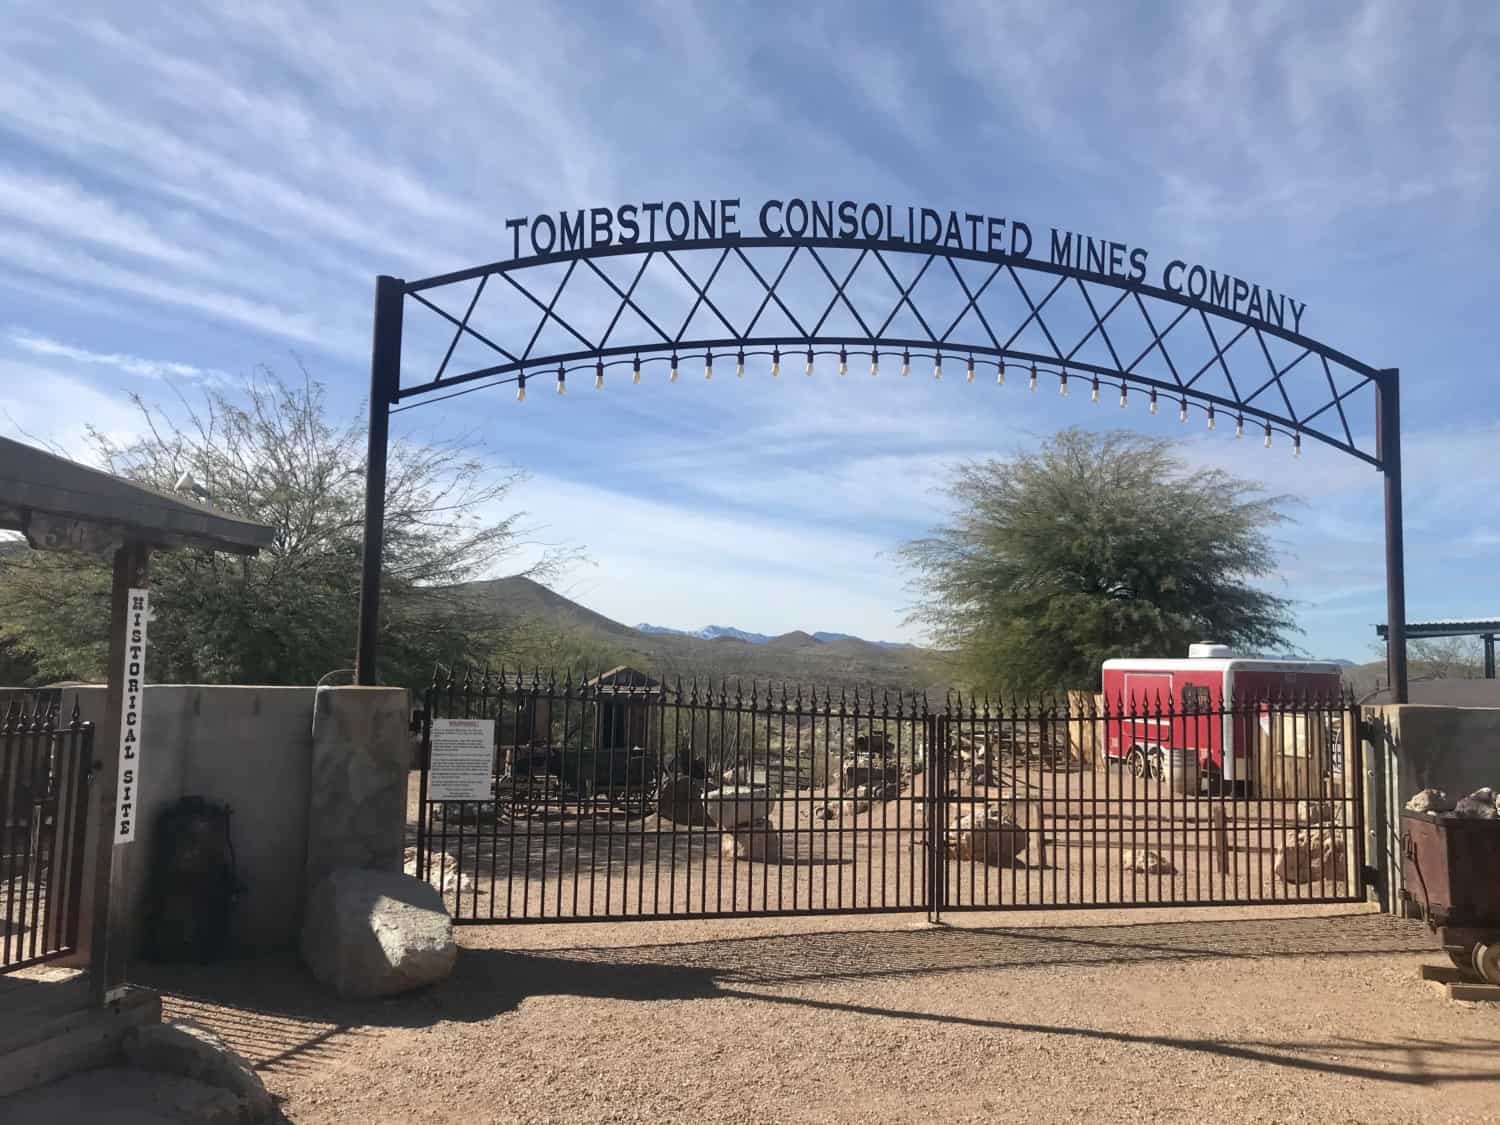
[(107, 946)]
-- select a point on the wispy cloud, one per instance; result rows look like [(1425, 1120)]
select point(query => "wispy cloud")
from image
[(129, 364)]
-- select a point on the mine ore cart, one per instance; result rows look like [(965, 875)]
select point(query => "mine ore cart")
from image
[(1451, 866)]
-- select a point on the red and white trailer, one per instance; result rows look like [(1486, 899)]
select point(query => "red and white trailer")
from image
[(1209, 703)]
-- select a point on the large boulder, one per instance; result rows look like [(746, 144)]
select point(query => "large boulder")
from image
[(680, 799), (1314, 855), (733, 805), (756, 840), (376, 933), (989, 834), (189, 1050)]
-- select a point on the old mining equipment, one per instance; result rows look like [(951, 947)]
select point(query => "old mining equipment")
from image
[(1452, 875)]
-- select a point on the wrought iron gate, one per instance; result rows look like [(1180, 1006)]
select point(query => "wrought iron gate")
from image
[(623, 797), (45, 765)]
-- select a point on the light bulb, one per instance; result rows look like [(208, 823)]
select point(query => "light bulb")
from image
[(635, 370), (521, 388), (708, 365), (1000, 374), (843, 362), (874, 364), (562, 386), (599, 376), (1268, 435), (1153, 400), (673, 377), (1296, 445), (1062, 387), (905, 364), (1032, 381), (937, 366), (1239, 426), (969, 373), (775, 362), (1094, 391), (1124, 400), (739, 365), (1211, 422), (1182, 410), (809, 361)]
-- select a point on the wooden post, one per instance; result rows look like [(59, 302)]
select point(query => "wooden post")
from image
[(1221, 838), (107, 947), (1035, 824)]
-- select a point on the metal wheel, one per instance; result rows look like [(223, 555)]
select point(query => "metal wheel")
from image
[(1136, 760), (1487, 960), (1156, 762)]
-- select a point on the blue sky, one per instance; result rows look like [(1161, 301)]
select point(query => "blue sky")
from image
[(186, 193)]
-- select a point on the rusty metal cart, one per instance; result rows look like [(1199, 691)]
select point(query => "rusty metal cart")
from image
[(1452, 880)]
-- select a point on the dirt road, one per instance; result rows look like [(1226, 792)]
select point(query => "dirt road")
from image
[(1132, 1016)]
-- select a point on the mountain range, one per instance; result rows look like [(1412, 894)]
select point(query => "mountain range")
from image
[(824, 659), (714, 632)]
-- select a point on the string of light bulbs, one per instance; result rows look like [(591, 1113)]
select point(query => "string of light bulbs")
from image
[(1033, 370)]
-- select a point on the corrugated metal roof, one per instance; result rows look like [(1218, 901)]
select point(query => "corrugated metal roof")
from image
[(34, 483), (1448, 627)]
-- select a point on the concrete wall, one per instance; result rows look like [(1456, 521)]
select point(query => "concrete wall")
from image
[(254, 748), (1412, 747)]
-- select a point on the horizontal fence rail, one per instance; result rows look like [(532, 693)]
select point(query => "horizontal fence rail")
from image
[(624, 797), (45, 764)]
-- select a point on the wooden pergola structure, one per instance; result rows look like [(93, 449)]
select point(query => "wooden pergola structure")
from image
[(60, 505)]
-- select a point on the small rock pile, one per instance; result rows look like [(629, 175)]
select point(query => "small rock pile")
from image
[(1482, 804)]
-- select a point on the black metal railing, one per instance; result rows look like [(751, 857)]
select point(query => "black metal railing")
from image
[(624, 797), (45, 765)]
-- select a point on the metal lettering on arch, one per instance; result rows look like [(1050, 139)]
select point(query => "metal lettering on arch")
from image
[(663, 290)]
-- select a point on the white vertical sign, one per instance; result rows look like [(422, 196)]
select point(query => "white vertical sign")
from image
[(132, 706)]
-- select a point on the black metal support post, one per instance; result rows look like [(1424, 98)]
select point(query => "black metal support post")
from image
[(1388, 425), (385, 382), (1489, 656)]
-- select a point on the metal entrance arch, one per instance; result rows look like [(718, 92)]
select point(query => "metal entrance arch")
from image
[(773, 305)]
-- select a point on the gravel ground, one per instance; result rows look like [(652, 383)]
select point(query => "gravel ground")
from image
[(1150, 1015)]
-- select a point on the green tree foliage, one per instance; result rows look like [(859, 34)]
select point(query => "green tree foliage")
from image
[(270, 452), (1095, 546)]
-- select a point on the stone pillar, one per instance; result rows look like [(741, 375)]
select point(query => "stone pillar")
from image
[(361, 759)]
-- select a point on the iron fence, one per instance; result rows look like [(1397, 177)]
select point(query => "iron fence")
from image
[(624, 797), (45, 765)]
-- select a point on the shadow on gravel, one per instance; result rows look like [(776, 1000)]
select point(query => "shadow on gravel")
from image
[(278, 1017)]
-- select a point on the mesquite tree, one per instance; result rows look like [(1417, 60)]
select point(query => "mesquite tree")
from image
[(269, 451), (1095, 546)]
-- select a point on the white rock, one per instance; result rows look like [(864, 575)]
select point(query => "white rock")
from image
[(1430, 800), (376, 933), (757, 840), (1314, 855), (1148, 863), (1317, 812), (189, 1050)]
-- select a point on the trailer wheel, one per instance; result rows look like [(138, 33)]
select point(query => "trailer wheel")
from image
[(1487, 961), (1136, 760)]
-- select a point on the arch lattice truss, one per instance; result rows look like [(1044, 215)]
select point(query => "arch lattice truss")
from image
[(741, 305)]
